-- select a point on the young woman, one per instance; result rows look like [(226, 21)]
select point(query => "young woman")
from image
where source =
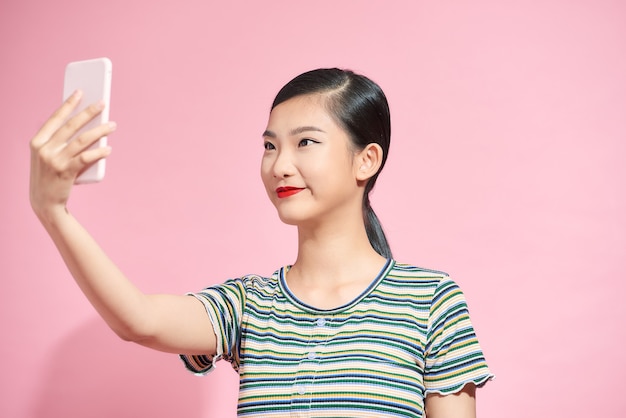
[(345, 331)]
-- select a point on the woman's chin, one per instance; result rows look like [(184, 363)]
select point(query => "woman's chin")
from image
[(294, 217), (290, 220)]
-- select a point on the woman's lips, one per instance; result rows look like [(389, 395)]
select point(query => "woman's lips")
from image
[(284, 192)]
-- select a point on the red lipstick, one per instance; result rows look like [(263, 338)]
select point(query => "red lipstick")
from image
[(283, 192)]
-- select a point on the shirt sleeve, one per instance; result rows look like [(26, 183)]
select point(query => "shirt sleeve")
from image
[(453, 357), (224, 305)]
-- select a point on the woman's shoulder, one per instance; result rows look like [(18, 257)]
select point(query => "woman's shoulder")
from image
[(409, 271), (411, 275), (410, 279), (256, 280), (413, 280)]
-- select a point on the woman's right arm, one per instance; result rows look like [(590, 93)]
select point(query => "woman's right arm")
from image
[(172, 323)]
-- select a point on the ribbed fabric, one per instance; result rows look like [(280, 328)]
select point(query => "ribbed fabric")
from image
[(407, 335)]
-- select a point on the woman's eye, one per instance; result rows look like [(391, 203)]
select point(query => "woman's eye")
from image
[(268, 145), (305, 142)]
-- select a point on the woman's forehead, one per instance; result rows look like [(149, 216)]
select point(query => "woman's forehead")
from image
[(301, 111)]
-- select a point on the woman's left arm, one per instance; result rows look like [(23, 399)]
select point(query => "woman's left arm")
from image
[(458, 405)]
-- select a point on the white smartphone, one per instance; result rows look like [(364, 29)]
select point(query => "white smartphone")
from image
[(93, 78)]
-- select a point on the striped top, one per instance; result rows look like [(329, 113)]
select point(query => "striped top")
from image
[(408, 334)]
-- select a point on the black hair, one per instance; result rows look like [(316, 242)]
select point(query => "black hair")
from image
[(360, 107)]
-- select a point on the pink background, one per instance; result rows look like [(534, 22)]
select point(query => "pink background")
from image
[(506, 170)]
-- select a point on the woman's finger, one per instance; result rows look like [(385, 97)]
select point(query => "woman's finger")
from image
[(87, 158), (86, 139), (56, 120), (75, 123)]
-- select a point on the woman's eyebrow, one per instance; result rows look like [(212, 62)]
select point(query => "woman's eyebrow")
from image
[(269, 134), (295, 131), (302, 129)]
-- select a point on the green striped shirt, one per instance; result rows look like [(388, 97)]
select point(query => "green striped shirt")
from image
[(408, 334)]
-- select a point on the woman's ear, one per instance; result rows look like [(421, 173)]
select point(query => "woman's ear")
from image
[(368, 161)]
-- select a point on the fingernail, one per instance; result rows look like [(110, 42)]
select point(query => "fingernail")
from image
[(112, 126)]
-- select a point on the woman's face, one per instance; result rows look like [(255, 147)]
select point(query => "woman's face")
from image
[(308, 166)]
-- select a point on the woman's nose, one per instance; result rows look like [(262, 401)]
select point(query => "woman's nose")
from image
[(283, 165)]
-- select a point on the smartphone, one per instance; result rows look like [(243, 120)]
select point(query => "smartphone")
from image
[(93, 78)]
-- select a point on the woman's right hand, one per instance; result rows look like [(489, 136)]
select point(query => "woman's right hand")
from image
[(57, 158)]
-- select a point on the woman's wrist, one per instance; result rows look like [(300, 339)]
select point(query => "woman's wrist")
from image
[(50, 215)]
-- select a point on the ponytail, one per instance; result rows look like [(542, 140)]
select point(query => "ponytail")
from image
[(374, 230)]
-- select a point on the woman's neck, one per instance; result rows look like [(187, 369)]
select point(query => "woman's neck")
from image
[(337, 253), (334, 266)]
